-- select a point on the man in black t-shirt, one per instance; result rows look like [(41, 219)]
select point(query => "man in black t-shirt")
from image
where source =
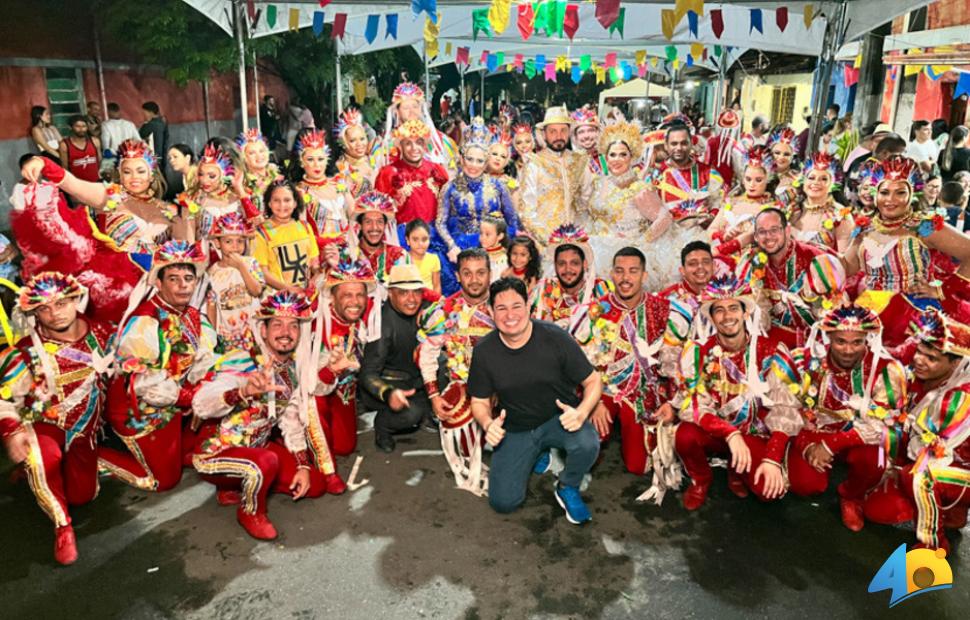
[(535, 370)]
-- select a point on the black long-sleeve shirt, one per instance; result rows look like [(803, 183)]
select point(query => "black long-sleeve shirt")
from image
[(389, 363)]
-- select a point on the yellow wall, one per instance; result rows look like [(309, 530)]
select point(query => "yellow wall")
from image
[(756, 96)]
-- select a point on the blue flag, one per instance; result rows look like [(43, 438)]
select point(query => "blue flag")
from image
[(540, 62), (391, 26), (577, 74), (370, 31), (491, 61), (756, 24), (692, 23), (318, 23), (963, 86), (427, 6)]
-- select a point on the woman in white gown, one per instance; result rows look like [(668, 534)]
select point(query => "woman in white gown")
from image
[(627, 211)]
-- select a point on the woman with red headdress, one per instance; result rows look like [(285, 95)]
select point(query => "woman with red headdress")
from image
[(329, 201), (781, 156), (817, 218), (736, 217), (354, 165), (210, 195), (894, 249)]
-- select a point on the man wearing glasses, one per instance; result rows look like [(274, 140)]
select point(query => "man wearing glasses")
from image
[(791, 279)]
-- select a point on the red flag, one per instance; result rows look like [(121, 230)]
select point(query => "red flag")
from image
[(527, 20), (607, 12), (717, 22), (571, 24), (339, 25), (251, 10), (461, 56), (851, 75), (324, 3), (781, 18)]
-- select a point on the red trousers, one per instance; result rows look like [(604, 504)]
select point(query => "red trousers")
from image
[(633, 436), (255, 472), (339, 422), (153, 461), (694, 445), (865, 472), (894, 502), (60, 477)]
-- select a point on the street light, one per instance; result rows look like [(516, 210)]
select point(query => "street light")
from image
[(523, 90)]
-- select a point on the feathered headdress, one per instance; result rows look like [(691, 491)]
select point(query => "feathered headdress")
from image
[(826, 163), (850, 317), (285, 305), (935, 329), (251, 136), (349, 118), (476, 134), (896, 168), (136, 149), (313, 141), (584, 116), (177, 252), (627, 133), (349, 270), (724, 288), (47, 287), (407, 90), (375, 201), (412, 130), (757, 157), (785, 135), (213, 156), (231, 224)]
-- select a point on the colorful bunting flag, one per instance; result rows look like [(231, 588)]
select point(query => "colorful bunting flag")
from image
[(668, 21), (370, 30), (271, 15), (697, 50), (756, 21), (498, 15), (324, 3), (448, 48), (607, 12), (294, 19), (963, 86), (585, 62), (617, 26), (540, 11), (550, 72), (935, 72), (540, 62), (781, 18), (690, 60), (717, 22), (530, 68), (431, 31), (251, 10), (519, 62), (577, 75), (641, 56), (339, 26), (851, 76), (500, 58), (492, 62), (641, 70), (480, 23), (562, 63), (526, 21), (571, 20), (808, 15), (318, 18), (461, 56), (627, 71), (671, 52), (425, 6), (610, 61), (600, 75), (692, 23), (558, 22), (718, 51), (391, 26)]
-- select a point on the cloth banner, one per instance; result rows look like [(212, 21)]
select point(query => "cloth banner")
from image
[(717, 22), (318, 18), (425, 6), (339, 26), (756, 21), (498, 15), (550, 72), (370, 30), (577, 74), (781, 18), (391, 31), (618, 24), (571, 20), (480, 23), (526, 22)]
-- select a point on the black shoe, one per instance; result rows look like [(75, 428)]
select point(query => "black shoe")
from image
[(385, 442), (430, 424)]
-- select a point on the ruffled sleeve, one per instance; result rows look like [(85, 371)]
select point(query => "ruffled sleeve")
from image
[(15, 383)]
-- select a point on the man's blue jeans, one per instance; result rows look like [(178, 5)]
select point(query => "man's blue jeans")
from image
[(514, 458)]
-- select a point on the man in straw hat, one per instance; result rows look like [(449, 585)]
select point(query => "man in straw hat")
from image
[(575, 282), (449, 329), (556, 182), (722, 400), (52, 385), (250, 394), (934, 476), (633, 338), (347, 320), (848, 393), (165, 348), (390, 379)]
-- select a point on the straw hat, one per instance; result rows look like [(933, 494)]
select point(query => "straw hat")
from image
[(406, 277), (556, 115)]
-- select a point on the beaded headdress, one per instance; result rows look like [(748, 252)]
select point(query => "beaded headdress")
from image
[(377, 202), (936, 329), (627, 133), (231, 224), (212, 155), (850, 317), (313, 141), (412, 130), (826, 163), (407, 90), (285, 305), (896, 168), (46, 288), (178, 252), (348, 270)]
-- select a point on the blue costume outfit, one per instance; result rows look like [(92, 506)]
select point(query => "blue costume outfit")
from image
[(462, 204)]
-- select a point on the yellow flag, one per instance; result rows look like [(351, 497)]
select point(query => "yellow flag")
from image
[(654, 61), (668, 21), (431, 31), (641, 57), (808, 15), (448, 49), (676, 64), (857, 63), (498, 15), (360, 90), (697, 51), (600, 75), (294, 19), (682, 6), (909, 70), (562, 63)]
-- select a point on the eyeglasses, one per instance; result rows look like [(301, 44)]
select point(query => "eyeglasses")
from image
[(769, 232)]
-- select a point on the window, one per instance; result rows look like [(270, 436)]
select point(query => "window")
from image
[(66, 95), (782, 105)]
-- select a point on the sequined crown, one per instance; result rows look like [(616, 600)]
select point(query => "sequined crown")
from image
[(250, 136), (627, 133), (757, 157), (785, 135), (406, 90), (825, 163), (936, 329), (568, 233), (285, 305), (850, 318), (231, 224), (477, 133), (350, 270), (584, 116), (896, 168), (47, 287), (136, 149), (213, 156), (374, 201), (412, 130), (521, 128), (313, 141)]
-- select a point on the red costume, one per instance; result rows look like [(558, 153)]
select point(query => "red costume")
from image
[(693, 191), (413, 188)]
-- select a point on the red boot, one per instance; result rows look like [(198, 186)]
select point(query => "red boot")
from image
[(65, 545), (852, 515), (335, 484), (736, 484), (228, 497), (256, 525), (695, 496)]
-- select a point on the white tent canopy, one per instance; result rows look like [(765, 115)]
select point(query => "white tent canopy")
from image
[(633, 89)]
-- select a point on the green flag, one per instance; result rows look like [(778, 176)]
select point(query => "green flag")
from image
[(480, 23), (617, 26), (530, 68)]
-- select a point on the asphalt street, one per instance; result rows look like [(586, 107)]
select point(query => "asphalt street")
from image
[(409, 545)]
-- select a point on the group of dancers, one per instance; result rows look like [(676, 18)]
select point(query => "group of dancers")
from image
[(763, 319)]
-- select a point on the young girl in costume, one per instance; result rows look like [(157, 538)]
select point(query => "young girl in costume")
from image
[(236, 284), (285, 246), (524, 262), (418, 234), (493, 235)]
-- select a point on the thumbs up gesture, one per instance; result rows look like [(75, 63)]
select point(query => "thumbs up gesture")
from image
[(571, 419), (495, 432)]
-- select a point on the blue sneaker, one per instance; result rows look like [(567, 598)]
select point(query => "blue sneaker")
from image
[(576, 511), (542, 464)]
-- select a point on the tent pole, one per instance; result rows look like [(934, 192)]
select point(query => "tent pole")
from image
[(719, 99), (484, 71), (832, 42), (427, 77), (259, 123), (461, 73), (100, 67), (243, 100), (339, 92)]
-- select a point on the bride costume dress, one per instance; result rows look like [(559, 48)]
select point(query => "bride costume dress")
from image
[(627, 211)]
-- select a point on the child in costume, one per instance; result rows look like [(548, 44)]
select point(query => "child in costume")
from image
[(236, 283), (494, 239)]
